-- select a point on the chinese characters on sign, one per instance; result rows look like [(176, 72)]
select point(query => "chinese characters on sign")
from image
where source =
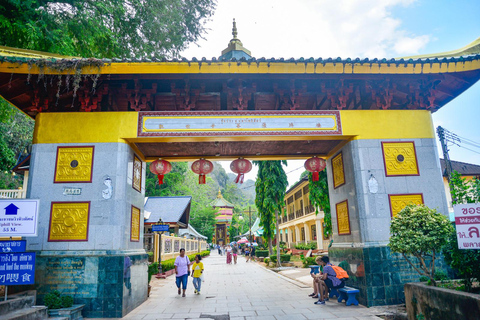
[(17, 268), (249, 123), (467, 223)]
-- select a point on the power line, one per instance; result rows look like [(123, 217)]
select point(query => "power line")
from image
[(285, 173)]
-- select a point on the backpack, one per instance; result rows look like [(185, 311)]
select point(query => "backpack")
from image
[(340, 273)]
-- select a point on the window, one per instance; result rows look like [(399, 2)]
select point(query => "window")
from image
[(314, 232), (303, 234)]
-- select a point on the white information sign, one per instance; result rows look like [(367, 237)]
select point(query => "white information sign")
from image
[(18, 218), (467, 223)]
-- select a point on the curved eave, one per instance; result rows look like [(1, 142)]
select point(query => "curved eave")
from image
[(419, 66)]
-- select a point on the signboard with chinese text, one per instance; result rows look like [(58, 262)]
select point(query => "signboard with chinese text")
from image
[(17, 268), (205, 123), (467, 223), (18, 217), (11, 246)]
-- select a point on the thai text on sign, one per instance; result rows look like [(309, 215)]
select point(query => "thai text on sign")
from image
[(17, 268), (18, 217), (467, 223)]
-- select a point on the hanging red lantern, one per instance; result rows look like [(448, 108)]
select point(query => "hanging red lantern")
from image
[(160, 168), (240, 167), (202, 167), (315, 165)]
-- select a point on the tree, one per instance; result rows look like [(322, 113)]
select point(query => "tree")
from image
[(420, 232), (463, 190), (104, 29), (173, 182), (270, 190), (203, 220), (319, 198)]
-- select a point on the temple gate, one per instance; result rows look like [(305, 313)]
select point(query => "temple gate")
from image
[(99, 121)]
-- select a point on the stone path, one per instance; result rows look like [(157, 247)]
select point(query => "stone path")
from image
[(242, 291)]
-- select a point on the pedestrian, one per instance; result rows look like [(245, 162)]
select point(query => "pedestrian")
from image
[(252, 253), (219, 250), (182, 271), (197, 273), (247, 252), (235, 252), (229, 255), (328, 280)]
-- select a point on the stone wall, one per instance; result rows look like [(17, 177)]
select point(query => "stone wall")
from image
[(440, 304)]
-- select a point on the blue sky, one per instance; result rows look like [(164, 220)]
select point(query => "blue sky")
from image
[(356, 28)]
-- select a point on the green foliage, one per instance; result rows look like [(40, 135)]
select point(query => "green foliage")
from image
[(267, 261), (318, 194), (465, 261), (270, 190), (104, 29), (420, 232), (306, 246), (464, 191), (16, 131), (54, 300), (261, 253), (309, 261), (283, 258)]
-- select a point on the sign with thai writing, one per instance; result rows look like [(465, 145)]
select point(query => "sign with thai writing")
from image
[(242, 123), (160, 227), (18, 217), (467, 223), (17, 268), (11, 246)]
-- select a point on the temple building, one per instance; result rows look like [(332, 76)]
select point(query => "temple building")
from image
[(223, 218), (300, 224), (99, 122)]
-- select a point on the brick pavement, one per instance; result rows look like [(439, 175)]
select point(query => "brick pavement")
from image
[(243, 291)]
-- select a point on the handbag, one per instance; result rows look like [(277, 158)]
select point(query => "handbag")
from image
[(202, 278)]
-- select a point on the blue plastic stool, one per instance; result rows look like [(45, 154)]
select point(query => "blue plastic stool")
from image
[(348, 294), (314, 269), (333, 293)]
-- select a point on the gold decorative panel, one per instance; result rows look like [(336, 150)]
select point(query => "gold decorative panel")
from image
[(400, 201), (400, 159), (343, 218), (338, 171), (135, 225), (69, 221), (74, 164), (137, 174)]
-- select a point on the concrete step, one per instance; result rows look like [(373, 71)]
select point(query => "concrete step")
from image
[(30, 313)]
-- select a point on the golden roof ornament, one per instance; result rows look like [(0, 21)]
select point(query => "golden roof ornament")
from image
[(235, 45)]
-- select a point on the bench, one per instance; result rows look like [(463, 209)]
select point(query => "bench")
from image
[(333, 293), (348, 294)]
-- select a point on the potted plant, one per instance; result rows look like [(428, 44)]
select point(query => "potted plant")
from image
[(62, 306)]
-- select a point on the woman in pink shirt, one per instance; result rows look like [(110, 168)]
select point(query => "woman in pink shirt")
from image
[(182, 271)]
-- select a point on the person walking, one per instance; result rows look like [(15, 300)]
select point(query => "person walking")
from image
[(219, 250), (182, 271), (247, 252), (229, 255), (197, 273), (235, 253)]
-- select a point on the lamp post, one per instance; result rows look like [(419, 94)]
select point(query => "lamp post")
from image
[(159, 228)]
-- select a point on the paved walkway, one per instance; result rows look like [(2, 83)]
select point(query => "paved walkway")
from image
[(242, 291)]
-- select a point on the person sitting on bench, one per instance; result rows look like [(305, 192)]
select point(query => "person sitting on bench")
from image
[(316, 281), (327, 280)]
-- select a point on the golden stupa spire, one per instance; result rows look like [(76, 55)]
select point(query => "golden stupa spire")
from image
[(236, 45), (219, 194)]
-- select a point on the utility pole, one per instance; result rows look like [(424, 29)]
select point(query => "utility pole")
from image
[(250, 223), (446, 157)]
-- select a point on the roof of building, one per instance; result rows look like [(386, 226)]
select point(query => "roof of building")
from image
[(465, 169), (296, 185), (235, 48), (190, 230), (220, 202), (172, 210)]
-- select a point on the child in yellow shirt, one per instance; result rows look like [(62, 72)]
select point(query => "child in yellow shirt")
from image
[(197, 268)]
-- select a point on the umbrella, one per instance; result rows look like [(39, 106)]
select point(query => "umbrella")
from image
[(242, 241), (255, 244)]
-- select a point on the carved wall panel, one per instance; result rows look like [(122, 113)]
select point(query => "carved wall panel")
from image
[(343, 218), (400, 159), (338, 171), (74, 164), (135, 225), (400, 201), (69, 221)]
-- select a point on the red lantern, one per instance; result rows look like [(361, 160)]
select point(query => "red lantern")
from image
[(202, 167), (160, 168), (315, 165), (240, 167)]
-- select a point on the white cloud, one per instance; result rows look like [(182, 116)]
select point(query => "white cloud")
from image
[(311, 28)]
